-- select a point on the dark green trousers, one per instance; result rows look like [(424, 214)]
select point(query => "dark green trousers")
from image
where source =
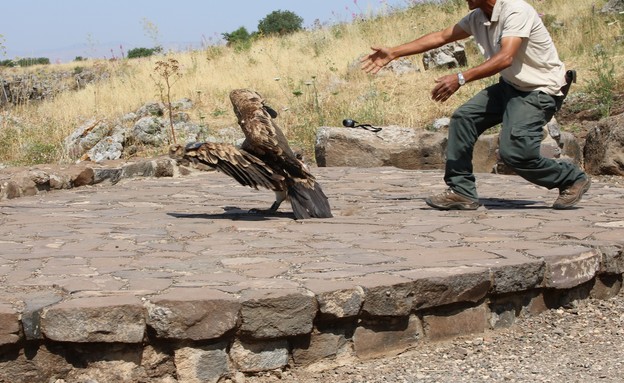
[(523, 116)]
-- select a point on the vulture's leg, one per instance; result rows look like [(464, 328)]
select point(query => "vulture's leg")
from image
[(280, 196)]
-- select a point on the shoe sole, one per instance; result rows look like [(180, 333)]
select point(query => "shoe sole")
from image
[(453, 206), (577, 200)]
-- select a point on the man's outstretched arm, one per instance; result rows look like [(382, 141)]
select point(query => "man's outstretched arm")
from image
[(381, 56)]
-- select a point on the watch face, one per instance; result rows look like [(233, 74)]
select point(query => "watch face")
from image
[(461, 79)]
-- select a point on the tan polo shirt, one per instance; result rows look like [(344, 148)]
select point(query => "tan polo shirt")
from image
[(537, 65)]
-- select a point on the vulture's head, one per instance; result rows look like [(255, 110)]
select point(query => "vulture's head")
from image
[(249, 104)]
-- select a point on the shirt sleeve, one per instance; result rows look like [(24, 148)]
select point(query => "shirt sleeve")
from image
[(517, 24), (465, 24)]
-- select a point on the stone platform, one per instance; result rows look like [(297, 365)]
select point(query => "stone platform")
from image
[(171, 279)]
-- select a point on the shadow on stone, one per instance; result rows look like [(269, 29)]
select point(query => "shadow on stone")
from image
[(499, 203), (235, 214)]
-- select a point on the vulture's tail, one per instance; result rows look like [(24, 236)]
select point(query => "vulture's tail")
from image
[(308, 202)]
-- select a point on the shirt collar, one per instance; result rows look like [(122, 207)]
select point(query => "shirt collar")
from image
[(496, 11)]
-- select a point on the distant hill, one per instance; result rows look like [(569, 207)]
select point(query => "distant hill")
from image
[(98, 51)]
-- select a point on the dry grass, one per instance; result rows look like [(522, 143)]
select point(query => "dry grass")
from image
[(312, 78)]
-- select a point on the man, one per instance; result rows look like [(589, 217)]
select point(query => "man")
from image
[(517, 46)]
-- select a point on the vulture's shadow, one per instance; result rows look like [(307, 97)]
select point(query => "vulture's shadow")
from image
[(235, 214)]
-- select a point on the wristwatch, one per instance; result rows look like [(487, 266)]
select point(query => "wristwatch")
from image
[(461, 78)]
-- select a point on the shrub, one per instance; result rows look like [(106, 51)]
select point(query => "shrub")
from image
[(143, 52), (280, 22)]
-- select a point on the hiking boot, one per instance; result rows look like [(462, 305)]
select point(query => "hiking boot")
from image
[(449, 200), (571, 195)]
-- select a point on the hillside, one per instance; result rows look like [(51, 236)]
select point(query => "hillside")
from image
[(311, 78)]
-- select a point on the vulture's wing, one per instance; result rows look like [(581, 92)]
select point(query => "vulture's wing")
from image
[(244, 167), (263, 137)]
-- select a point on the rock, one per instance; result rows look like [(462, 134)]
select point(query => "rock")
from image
[(110, 147), (151, 109), (400, 67), (388, 336), (613, 6), (319, 346), (194, 314), (228, 135), (150, 131), (86, 137), (453, 323), (604, 147), (451, 55), (341, 303), (404, 148), (441, 123), (40, 364), (423, 288), (564, 270), (31, 315), (277, 313), (108, 319), (19, 182), (9, 325), (259, 356), (207, 364)]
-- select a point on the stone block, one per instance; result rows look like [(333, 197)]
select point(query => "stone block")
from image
[(440, 326), (381, 337), (113, 175), (514, 272), (568, 266), (484, 153), (31, 315), (85, 176), (95, 319), (9, 325), (193, 314), (404, 148), (337, 300), (207, 364), (138, 169), (164, 167), (612, 260), (391, 300), (256, 356), (434, 287), (606, 286), (277, 313), (318, 346)]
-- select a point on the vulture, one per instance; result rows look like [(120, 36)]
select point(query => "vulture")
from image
[(264, 159)]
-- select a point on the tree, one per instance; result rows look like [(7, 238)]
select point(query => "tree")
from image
[(143, 52), (239, 36), (280, 22)]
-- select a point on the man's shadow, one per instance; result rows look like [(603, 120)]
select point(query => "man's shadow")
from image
[(234, 213), (510, 204)]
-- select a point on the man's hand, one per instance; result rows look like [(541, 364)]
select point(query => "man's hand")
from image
[(380, 57), (445, 87)]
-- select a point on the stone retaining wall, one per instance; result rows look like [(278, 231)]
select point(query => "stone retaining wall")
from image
[(204, 335), (28, 181)]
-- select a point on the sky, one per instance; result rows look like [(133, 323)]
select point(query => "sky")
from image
[(62, 30)]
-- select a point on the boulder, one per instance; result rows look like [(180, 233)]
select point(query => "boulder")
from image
[(86, 137), (604, 147), (613, 6), (396, 146), (448, 56)]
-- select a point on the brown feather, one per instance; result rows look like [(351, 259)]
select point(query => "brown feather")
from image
[(263, 160)]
